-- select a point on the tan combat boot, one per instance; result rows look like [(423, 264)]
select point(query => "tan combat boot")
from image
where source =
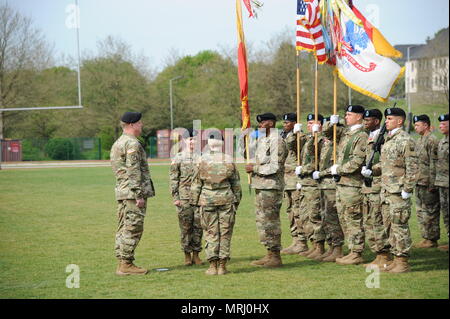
[(320, 249), (401, 265), (426, 243), (296, 247), (187, 259), (326, 254), (391, 266), (196, 259), (127, 267), (351, 259), (443, 248), (262, 261), (373, 262), (308, 252), (337, 253), (222, 267), (212, 270), (274, 259)]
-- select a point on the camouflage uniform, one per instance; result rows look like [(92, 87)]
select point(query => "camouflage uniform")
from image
[(290, 188), (351, 153), (309, 204), (441, 177), (427, 197), (216, 189), (374, 220), (268, 182), (398, 172), (180, 176), (330, 220), (129, 164)]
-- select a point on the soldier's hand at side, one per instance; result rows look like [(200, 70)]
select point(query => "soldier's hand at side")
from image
[(298, 170), (366, 172), (140, 202), (406, 195), (249, 168), (334, 169), (177, 202)]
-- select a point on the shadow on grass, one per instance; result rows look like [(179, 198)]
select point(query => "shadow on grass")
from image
[(428, 259)]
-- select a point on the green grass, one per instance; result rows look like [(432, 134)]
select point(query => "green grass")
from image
[(50, 218)]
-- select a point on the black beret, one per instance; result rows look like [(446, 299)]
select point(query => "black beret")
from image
[(443, 117), (292, 117), (191, 132), (395, 111), (265, 117), (355, 109), (311, 117), (376, 113), (421, 118), (131, 117)]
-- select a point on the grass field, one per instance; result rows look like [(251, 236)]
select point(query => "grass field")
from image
[(50, 218)]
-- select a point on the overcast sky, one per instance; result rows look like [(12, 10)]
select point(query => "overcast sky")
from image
[(155, 27)]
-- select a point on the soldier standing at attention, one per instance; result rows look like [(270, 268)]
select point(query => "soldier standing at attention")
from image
[(309, 203), (133, 187), (427, 194), (180, 179), (216, 189), (441, 171), (330, 220), (351, 153), (398, 179), (268, 181), (374, 229), (290, 191)]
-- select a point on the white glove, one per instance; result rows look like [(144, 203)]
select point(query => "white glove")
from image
[(298, 170), (334, 169), (315, 128), (297, 127), (299, 186), (406, 195), (366, 172), (316, 175), (334, 119)]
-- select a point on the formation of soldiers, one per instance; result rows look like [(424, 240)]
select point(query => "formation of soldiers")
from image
[(361, 194)]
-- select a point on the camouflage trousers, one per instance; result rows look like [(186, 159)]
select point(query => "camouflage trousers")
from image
[(292, 197), (130, 228), (331, 225), (443, 194), (374, 228), (268, 204), (310, 221), (396, 212), (218, 224), (190, 227), (427, 209), (349, 207)]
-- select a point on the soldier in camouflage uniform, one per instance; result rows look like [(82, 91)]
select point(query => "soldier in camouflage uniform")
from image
[(398, 178), (216, 189), (441, 171), (133, 187), (180, 178), (267, 173), (374, 229), (427, 194), (290, 191), (309, 204), (350, 159), (331, 224)]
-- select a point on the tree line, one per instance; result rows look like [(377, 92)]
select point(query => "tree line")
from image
[(115, 80)]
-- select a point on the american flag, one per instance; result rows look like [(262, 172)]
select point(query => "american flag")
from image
[(309, 29)]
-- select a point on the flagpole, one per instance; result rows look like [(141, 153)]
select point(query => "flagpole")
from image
[(316, 117), (334, 112), (298, 107)]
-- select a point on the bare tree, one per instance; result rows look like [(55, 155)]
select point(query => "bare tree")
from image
[(23, 50)]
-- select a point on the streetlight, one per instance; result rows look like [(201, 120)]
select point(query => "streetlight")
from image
[(408, 88), (171, 99)]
